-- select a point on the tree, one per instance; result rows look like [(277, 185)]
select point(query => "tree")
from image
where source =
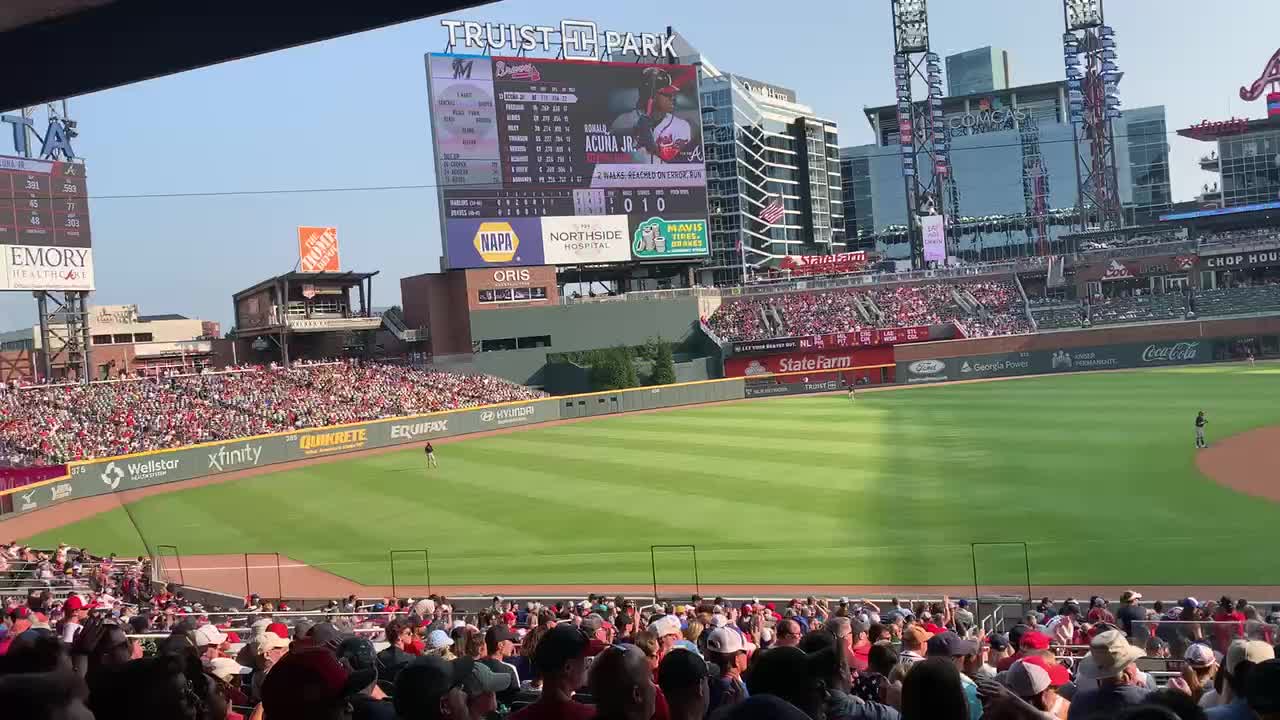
[(612, 369), (664, 365)]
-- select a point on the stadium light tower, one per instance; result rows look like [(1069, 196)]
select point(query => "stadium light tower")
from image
[(1089, 55), (921, 130)]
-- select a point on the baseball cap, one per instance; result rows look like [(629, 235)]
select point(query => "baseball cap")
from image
[(1200, 655), (1058, 674), (269, 641), (680, 670), (307, 682), (422, 683), (1034, 640), (665, 625), (209, 635), (358, 653), (998, 641), (951, 645), (1129, 595), (73, 603), (594, 622), (1255, 651), (279, 628), (917, 634), (561, 644), (225, 668), (439, 639), (725, 641), (1026, 679), (498, 633)]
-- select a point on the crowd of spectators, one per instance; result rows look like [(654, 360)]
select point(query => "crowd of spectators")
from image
[(111, 648), (998, 311), (60, 423)]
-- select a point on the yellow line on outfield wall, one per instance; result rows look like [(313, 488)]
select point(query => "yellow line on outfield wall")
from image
[(402, 418)]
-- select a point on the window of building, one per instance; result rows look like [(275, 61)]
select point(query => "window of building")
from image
[(533, 341), (509, 295), (122, 338), (142, 337), (498, 345), (100, 340)]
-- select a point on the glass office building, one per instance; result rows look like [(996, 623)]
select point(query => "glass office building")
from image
[(982, 70), (761, 143), (1246, 154), (991, 143)]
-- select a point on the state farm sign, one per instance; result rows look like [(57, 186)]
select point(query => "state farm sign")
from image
[(821, 361)]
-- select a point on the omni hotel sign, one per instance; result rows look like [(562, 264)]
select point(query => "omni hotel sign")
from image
[(985, 120)]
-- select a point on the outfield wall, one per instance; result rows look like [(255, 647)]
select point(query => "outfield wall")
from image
[(1177, 343), (129, 472)]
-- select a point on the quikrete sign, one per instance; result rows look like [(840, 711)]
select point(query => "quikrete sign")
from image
[(1237, 261), (576, 38)]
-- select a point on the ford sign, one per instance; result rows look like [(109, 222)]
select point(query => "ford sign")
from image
[(926, 367)]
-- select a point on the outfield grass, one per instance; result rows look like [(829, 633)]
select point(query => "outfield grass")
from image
[(1095, 472)]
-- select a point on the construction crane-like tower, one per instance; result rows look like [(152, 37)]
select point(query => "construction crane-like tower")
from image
[(1089, 52)]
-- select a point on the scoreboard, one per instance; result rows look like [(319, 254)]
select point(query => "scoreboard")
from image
[(45, 240), (566, 162)]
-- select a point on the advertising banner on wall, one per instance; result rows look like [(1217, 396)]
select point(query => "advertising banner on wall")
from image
[(810, 361), (318, 249), (935, 238), (768, 389), (489, 242), (659, 239), (861, 338), (1036, 362), (585, 240)]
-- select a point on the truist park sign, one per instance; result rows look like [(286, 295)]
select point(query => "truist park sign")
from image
[(578, 39)]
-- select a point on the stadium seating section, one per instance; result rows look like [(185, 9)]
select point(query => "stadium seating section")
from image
[(982, 308), (60, 423)]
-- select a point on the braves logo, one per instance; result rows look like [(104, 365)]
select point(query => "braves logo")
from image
[(1270, 75)]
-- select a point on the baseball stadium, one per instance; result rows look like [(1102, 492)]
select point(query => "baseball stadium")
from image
[(631, 386)]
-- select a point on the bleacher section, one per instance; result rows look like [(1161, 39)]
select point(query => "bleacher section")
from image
[(1238, 301)]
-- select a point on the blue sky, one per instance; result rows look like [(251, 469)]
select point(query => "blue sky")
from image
[(352, 112)]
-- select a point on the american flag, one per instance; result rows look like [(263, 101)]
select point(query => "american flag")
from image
[(772, 211)]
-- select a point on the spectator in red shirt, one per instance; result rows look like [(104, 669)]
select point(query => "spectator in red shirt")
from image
[(1228, 623)]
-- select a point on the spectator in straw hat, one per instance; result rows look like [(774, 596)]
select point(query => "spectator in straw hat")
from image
[(1108, 680)]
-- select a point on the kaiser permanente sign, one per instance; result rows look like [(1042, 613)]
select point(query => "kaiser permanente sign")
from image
[(129, 472)]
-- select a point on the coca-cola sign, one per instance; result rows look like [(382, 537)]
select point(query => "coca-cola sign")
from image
[(1175, 353)]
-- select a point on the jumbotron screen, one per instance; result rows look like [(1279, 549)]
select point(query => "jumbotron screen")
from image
[(566, 162)]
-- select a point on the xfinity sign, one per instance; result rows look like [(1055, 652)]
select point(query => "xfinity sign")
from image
[(575, 38)]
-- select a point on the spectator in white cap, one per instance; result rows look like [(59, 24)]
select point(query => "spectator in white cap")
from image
[(209, 642), (439, 643), (1199, 670), (728, 652), (1130, 611), (667, 629), (1108, 679)]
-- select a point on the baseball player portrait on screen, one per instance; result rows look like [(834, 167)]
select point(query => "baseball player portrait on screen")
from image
[(661, 136)]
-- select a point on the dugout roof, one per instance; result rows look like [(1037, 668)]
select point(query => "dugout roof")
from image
[(55, 49)]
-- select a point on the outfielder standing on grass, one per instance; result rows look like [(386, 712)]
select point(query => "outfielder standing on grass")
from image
[(1200, 423), (430, 450)]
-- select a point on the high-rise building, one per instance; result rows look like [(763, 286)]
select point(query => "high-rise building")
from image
[(1012, 154), (765, 148), (985, 69), (1247, 155)]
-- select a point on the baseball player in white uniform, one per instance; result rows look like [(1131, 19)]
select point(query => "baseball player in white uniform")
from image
[(660, 134)]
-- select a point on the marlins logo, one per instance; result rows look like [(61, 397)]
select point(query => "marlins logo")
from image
[(496, 242)]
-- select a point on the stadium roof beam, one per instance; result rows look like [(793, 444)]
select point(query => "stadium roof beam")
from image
[(61, 48)]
